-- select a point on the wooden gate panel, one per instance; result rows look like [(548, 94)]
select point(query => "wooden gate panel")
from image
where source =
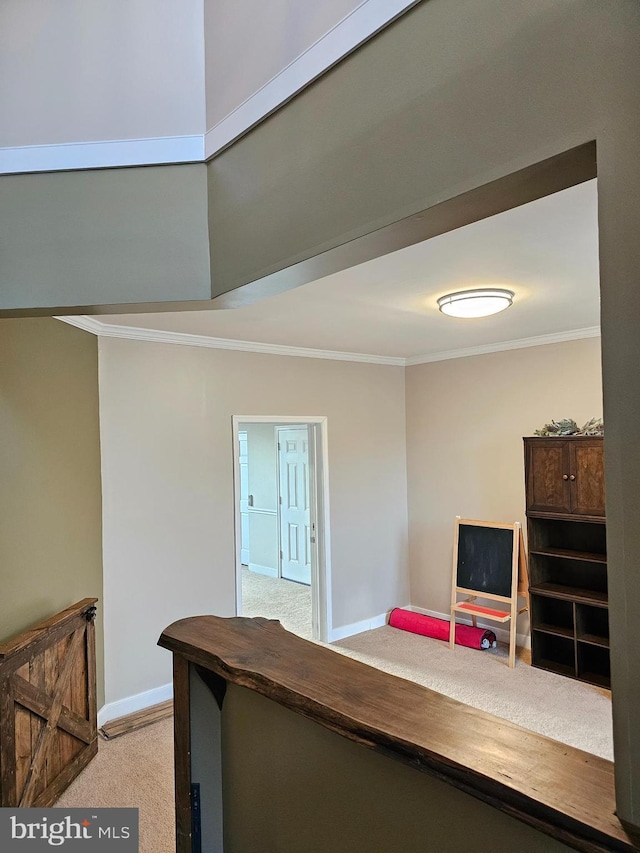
[(23, 733), (48, 725)]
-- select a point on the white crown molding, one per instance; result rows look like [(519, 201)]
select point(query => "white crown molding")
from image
[(358, 26), (501, 346), (107, 330), (134, 333), (102, 155), (81, 321)]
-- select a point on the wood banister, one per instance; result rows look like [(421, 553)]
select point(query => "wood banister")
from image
[(561, 791)]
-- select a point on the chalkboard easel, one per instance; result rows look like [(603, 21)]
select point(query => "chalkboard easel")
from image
[(488, 563)]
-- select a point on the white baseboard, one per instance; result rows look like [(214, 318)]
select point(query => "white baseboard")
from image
[(522, 640), (270, 571), (345, 631), (122, 707)]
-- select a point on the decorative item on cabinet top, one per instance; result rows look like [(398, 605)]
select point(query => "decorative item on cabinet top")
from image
[(567, 426)]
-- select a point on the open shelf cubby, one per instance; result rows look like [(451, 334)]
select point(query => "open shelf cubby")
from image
[(592, 625), (593, 664), (554, 653), (552, 615)]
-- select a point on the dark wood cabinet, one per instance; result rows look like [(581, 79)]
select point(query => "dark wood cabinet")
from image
[(586, 477), (564, 480), (565, 476)]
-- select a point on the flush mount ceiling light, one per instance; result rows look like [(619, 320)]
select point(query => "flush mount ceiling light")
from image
[(476, 303)]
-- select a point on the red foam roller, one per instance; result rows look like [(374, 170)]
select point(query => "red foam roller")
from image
[(430, 626)]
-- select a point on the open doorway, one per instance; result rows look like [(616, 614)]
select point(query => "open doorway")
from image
[(281, 512)]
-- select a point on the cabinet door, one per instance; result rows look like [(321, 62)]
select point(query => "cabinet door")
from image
[(587, 477), (548, 484)]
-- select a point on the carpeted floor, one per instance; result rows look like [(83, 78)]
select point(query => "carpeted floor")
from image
[(277, 598), (137, 769), (550, 704), (134, 771)]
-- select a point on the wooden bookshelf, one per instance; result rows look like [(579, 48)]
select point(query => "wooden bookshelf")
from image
[(568, 556)]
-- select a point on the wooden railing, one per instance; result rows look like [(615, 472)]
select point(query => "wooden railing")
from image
[(556, 790), (48, 726)]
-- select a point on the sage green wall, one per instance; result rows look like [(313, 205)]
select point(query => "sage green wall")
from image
[(104, 236), (50, 485), (339, 796)]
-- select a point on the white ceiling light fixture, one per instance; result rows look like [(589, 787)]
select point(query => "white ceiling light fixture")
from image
[(480, 302)]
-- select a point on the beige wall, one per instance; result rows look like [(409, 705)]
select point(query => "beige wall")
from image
[(465, 421), (50, 501), (168, 487), (73, 71)]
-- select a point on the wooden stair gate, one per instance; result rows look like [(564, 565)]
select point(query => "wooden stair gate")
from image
[(48, 714)]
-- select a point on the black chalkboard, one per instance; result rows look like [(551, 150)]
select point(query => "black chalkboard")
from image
[(485, 559)]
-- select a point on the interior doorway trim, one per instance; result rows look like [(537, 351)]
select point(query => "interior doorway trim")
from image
[(321, 616)]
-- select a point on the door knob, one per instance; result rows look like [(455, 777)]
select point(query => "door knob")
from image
[(565, 476), (572, 477)]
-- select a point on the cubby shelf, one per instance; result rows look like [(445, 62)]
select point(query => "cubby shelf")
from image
[(554, 666), (570, 593), (567, 554), (594, 640), (557, 630), (567, 557)]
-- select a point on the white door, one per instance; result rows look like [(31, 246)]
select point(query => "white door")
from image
[(243, 461), (295, 522)]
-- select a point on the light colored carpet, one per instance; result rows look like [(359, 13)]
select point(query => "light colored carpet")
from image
[(550, 704), (133, 771), (275, 598), (137, 769)]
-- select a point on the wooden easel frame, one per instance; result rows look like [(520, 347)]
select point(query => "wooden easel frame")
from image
[(519, 587)]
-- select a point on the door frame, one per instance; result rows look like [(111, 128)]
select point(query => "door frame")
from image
[(321, 611)]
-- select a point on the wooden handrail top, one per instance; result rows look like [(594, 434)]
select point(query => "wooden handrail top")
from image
[(565, 792), (33, 635)]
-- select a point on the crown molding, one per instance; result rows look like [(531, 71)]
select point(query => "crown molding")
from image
[(107, 330), (87, 324), (108, 154), (501, 346), (135, 333), (357, 27)]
